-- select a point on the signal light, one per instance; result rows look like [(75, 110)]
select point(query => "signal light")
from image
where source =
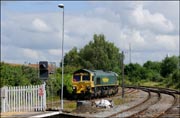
[(43, 70)]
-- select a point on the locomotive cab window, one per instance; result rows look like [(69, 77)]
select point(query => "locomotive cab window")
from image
[(86, 78), (76, 78)]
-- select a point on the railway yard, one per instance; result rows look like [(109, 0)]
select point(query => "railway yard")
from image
[(86, 59), (138, 102)]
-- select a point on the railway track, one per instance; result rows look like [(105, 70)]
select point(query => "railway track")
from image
[(169, 106), (165, 104), (156, 102), (152, 98), (57, 103), (173, 111)]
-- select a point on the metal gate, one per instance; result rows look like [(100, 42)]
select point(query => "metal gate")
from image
[(23, 98)]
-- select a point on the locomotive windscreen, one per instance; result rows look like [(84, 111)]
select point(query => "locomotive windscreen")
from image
[(86, 78), (83, 76), (76, 78)]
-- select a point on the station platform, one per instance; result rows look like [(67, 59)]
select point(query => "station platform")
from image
[(29, 114)]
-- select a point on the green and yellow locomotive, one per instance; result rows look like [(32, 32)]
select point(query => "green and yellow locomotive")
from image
[(94, 83)]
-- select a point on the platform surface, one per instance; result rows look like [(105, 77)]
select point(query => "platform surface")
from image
[(29, 114)]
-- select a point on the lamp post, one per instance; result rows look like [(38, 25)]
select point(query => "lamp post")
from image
[(62, 6)]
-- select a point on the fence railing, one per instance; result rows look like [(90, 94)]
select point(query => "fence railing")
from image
[(23, 98)]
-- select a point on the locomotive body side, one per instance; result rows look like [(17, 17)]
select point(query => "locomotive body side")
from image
[(94, 83), (106, 83), (105, 78)]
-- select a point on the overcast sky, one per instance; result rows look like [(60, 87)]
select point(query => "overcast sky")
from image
[(31, 31)]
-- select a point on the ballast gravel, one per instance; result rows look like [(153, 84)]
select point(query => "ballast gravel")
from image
[(136, 98)]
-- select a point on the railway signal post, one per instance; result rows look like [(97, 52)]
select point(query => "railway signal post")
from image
[(43, 70), (43, 75)]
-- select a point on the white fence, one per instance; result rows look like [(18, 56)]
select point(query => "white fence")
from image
[(23, 98)]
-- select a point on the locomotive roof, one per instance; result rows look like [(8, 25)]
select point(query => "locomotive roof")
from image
[(97, 72)]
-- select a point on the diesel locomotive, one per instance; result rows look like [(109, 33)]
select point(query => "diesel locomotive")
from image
[(94, 83)]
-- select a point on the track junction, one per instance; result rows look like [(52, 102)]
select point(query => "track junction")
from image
[(149, 102)]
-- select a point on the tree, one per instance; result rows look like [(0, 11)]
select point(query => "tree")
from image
[(169, 65), (155, 66), (153, 71), (72, 58), (16, 75), (133, 71), (97, 54), (100, 54), (175, 79)]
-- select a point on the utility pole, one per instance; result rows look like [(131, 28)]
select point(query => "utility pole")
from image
[(122, 74), (129, 53)]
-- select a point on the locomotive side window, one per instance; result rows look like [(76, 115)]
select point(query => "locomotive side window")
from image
[(76, 78), (86, 78), (98, 81)]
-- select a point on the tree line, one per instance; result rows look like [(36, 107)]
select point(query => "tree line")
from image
[(97, 54), (16, 75), (166, 72), (104, 55)]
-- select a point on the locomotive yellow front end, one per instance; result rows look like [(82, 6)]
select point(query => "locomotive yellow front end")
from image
[(82, 82)]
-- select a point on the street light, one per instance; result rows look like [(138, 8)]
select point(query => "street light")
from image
[(62, 6)]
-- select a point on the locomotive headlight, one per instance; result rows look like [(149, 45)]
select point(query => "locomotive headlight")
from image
[(74, 87)]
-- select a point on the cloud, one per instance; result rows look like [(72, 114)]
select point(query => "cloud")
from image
[(167, 42), (30, 53), (80, 29), (105, 13), (156, 22), (54, 52), (18, 55), (30, 31), (37, 36), (40, 25)]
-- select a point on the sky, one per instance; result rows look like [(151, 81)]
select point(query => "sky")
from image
[(31, 31)]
